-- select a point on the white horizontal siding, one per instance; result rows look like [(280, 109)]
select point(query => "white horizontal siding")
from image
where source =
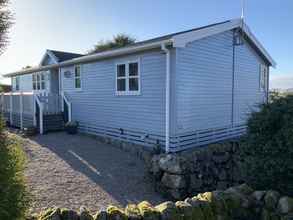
[(97, 104), (204, 83)]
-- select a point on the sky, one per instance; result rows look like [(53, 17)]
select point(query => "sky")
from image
[(75, 26)]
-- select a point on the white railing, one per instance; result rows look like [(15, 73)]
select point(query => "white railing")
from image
[(68, 103), (19, 104), (51, 103)]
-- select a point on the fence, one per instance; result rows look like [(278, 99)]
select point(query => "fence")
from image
[(26, 109), (18, 109), (52, 103)]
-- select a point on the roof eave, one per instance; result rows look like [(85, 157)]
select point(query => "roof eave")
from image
[(182, 40), (93, 57)]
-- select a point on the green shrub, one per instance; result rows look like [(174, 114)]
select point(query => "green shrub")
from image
[(13, 197), (268, 147)]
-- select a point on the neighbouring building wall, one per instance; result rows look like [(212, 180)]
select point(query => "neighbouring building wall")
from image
[(98, 109)]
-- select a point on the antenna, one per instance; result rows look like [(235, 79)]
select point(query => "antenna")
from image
[(242, 10)]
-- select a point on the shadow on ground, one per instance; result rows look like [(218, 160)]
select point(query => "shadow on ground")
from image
[(118, 173)]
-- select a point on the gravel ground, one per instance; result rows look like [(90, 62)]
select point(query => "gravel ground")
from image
[(71, 171)]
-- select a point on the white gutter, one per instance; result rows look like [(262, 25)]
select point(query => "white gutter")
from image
[(167, 125), (94, 57)]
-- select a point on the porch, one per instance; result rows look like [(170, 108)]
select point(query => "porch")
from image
[(45, 111)]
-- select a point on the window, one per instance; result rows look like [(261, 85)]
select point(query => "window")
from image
[(15, 83), (127, 78), (263, 77), (77, 77), (39, 81)]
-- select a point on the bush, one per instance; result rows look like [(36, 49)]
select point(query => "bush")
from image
[(14, 199), (268, 146)]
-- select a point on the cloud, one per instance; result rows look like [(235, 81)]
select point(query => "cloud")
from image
[(284, 81)]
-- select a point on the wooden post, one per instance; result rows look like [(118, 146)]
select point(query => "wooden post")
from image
[(10, 108), (34, 111), (41, 119), (21, 110)]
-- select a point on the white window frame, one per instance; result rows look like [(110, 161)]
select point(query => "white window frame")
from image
[(263, 77), (40, 81), (75, 77), (127, 78)]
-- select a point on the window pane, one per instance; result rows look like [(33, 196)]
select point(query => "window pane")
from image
[(121, 84), (77, 83), (38, 85), (121, 70), (133, 84), (34, 85), (43, 84), (133, 69), (34, 77), (42, 76), (38, 77), (77, 71)]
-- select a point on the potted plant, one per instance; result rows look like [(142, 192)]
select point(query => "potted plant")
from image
[(30, 131), (71, 127)]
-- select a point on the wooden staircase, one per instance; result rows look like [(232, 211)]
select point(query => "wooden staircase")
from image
[(54, 122)]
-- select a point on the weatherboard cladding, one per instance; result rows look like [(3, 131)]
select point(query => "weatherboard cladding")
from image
[(204, 81), (97, 105), (204, 77)]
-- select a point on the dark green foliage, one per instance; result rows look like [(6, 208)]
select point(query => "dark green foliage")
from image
[(268, 147), (118, 41), (13, 197), (5, 23)]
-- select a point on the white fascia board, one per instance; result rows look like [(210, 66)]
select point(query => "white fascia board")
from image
[(259, 45), (183, 39), (94, 57)]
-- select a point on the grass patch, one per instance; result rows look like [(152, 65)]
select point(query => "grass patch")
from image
[(14, 199)]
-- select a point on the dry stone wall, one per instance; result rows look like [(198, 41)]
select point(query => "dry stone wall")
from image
[(216, 166), (239, 203)]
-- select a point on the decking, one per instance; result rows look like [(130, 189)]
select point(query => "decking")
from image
[(47, 112)]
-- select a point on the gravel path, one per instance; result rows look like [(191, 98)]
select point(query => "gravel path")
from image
[(70, 171)]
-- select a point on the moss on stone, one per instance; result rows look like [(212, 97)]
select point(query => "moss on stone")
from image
[(132, 212), (85, 214), (101, 215), (148, 212), (185, 210), (217, 201), (115, 213), (168, 211), (67, 214), (51, 214)]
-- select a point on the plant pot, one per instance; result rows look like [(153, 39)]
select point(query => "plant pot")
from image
[(71, 129)]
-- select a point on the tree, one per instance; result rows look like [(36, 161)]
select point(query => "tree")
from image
[(118, 41), (5, 24)]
